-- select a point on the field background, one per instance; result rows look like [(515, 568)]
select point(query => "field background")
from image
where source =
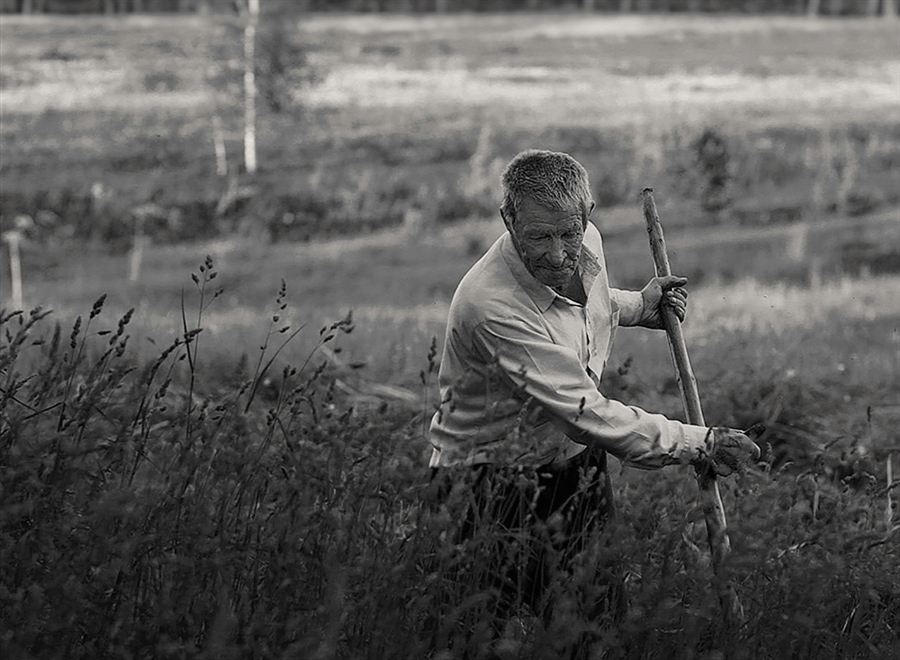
[(772, 144)]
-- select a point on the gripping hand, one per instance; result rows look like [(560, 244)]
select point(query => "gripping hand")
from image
[(661, 291), (728, 451)]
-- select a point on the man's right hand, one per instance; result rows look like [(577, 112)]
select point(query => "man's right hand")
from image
[(729, 451)]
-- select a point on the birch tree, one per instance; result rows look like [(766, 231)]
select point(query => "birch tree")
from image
[(250, 86)]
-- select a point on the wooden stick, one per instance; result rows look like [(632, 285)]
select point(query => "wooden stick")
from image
[(713, 509)]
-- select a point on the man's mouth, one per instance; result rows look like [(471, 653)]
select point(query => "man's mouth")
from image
[(560, 270)]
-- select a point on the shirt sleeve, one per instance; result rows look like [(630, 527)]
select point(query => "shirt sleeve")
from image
[(631, 306), (552, 375)]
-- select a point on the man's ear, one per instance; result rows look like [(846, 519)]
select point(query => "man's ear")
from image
[(507, 221)]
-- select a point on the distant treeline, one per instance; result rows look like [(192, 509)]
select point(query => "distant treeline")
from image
[(809, 7)]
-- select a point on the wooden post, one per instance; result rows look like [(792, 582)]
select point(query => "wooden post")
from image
[(888, 510), (713, 509), (13, 238)]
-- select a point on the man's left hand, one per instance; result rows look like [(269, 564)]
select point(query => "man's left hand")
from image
[(661, 291)]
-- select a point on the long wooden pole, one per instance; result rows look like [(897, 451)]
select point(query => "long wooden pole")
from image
[(713, 509)]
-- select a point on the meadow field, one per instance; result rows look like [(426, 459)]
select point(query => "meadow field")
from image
[(183, 476)]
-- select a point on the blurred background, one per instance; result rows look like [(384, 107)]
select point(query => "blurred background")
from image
[(352, 149)]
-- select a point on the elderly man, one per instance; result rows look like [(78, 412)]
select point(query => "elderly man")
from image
[(529, 333)]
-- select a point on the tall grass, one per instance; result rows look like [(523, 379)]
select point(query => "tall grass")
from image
[(169, 508)]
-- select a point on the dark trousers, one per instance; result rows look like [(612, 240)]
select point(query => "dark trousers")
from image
[(528, 527)]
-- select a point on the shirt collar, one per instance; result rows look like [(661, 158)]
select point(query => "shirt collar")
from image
[(543, 296)]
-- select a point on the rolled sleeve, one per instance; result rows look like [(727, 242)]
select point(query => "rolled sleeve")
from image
[(631, 306), (552, 376)]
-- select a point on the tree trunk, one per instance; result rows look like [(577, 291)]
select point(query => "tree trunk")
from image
[(813, 7), (835, 7), (589, 5), (440, 6), (890, 9), (250, 87), (109, 7), (871, 7), (625, 6)]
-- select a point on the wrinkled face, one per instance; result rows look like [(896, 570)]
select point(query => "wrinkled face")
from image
[(548, 241)]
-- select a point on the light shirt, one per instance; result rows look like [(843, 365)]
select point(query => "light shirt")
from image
[(521, 367)]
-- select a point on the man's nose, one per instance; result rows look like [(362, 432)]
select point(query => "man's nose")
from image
[(556, 255)]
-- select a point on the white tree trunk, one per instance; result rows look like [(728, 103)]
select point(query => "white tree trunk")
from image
[(813, 8), (137, 250), (250, 87), (890, 9), (219, 146)]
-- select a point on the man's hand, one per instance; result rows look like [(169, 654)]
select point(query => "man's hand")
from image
[(728, 451), (660, 291)]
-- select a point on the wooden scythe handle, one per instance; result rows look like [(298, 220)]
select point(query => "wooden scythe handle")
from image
[(713, 510)]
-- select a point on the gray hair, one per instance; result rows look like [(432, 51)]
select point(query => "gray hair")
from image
[(552, 179)]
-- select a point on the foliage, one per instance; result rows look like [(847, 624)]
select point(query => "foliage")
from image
[(619, 6), (150, 509), (356, 119)]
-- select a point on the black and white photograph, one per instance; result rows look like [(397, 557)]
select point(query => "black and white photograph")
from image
[(449, 329)]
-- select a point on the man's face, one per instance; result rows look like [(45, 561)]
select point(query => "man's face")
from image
[(548, 241)]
